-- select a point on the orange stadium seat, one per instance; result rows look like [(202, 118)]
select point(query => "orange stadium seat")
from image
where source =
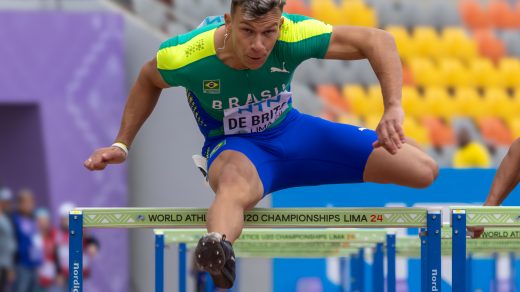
[(424, 72), (458, 44), (489, 45), (439, 131), (426, 41), (484, 74), (516, 15), (403, 41), (297, 7), (494, 130), (509, 69), (331, 95), (473, 14), (407, 76), (327, 114), (501, 14)]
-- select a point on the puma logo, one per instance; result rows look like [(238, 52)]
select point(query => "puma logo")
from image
[(362, 129), (283, 70)]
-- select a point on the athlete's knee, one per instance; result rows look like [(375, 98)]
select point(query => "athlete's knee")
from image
[(236, 184), (230, 178), (426, 173)]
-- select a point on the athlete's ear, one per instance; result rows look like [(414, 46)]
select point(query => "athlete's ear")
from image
[(228, 20)]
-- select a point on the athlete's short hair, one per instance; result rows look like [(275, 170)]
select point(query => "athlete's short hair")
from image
[(254, 9)]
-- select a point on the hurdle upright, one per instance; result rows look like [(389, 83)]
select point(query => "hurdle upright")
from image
[(267, 218), (462, 217)]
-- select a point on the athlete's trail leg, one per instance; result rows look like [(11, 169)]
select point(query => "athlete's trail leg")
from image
[(409, 167), (238, 188)]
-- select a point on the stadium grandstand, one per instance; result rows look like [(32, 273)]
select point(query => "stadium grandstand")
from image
[(67, 66)]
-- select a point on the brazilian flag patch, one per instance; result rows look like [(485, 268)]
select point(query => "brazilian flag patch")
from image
[(211, 86)]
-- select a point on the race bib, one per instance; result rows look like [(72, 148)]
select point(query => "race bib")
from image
[(255, 117)]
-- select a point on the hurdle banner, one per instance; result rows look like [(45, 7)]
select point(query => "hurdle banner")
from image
[(269, 218), (289, 243), (279, 217), (466, 216), (300, 246), (410, 246), (282, 235), (489, 232)]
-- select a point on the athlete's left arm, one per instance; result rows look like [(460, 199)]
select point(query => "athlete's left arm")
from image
[(378, 46)]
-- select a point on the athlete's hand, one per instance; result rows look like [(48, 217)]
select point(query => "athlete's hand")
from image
[(475, 232), (104, 156), (390, 134)]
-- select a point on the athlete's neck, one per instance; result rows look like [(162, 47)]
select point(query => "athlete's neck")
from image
[(225, 50)]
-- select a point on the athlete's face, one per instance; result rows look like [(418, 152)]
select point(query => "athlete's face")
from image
[(253, 40)]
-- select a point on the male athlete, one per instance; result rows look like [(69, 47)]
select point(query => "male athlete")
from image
[(237, 74), (505, 181)]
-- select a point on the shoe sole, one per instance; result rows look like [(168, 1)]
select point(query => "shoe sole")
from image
[(209, 256)]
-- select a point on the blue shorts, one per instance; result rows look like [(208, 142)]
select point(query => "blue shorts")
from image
[(302, 151)]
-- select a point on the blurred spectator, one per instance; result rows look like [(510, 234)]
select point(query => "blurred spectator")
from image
[(470, 153), (29, 253), (48, 271), (91, 247), (7, 194), (7, 241)]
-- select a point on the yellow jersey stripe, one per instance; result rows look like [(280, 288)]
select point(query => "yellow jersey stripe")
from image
[(311, 29), (175, 57)]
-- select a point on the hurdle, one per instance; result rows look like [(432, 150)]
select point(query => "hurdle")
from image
[(488, 246), (258, 218), (462, 217), (287, 243)]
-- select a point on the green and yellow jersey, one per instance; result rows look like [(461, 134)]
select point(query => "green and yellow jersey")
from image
[(226, 101)]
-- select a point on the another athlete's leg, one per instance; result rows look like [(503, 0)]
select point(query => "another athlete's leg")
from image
[(410, 167)]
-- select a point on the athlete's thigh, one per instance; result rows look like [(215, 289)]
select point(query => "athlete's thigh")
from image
[(243, 156), (410, 166), (318, 151), (319, 139)]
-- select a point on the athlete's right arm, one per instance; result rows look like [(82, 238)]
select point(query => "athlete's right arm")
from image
[(507, 176), (140, 103), (506, 179)]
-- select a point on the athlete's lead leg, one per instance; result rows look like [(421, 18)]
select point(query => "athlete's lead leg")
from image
[(238, 188)]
